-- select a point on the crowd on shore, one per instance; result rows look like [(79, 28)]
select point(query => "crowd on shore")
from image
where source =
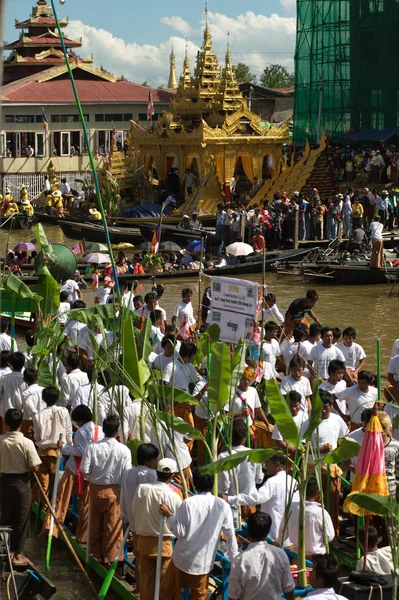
[(36, 422)]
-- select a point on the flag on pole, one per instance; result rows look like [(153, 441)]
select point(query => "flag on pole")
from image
[(156, 237), (150, 107), (80, 247), (45, 123)]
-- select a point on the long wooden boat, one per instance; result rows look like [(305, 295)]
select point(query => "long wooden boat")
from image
[(17, 221), (91, 232), (346, 274)]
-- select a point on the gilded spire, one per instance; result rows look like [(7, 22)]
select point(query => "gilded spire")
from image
[(207, 33), (232, 98), (185, 80), (172, 83)]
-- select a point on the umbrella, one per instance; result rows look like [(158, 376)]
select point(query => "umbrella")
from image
[(122, 246), (98, 258), (96, 247), (170, 246), (145, 246), (239, 249), (25, 247), (194, 246)]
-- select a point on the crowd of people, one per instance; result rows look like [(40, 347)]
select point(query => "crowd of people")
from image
[(37, 422), (365, 165)]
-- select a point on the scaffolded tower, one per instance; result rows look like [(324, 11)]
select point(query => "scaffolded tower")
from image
[(346, 72)]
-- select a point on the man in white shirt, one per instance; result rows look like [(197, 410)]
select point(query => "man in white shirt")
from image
[(73, 290), (393, 378), (32, 401), (73, 328), (321, 355), (5, 339), (62, 311), (296, 348), (316, 518), (353, 353), (198, 524), (324, 577), (300, 419), (175, 444), (103, 464), (335, 383), (183, 314), (273, 495), (151, 304), (167, 356), (271, 312), (71, 381), (357, 398), (262, 570), (246, 402), (146, 509), (270, 347), (5, 358), (313, 338), (49, 426), (72, 480), (296, 381), (11, 387), (92, 342), (378, 560)]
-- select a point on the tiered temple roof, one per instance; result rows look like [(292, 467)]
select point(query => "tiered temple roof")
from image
[(39, 47)]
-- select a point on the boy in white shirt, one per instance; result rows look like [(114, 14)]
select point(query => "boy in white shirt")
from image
[(296, 348), (300, 418), (357, 398), (5, 339), (271, 347), (271, 311), (183, 312), (104, 291), (71, 380), (62, 311), (322, 354), (335, 383), (157, 327), (5, 357), (313, 338), (11, 387), (298, 382), (32, 401), (353, 353), (324, 577), (378, 560)]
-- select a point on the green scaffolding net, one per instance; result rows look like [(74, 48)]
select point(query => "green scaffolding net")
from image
[(346, 67)]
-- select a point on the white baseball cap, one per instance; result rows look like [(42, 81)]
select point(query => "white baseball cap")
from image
[(167, 465)]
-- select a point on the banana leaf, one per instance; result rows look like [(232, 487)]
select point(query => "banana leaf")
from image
[(347, 449), (379, 505), (167, 392), (179, 425), (231, 461), (315, 413), (105, 311), (42, 242), (45, 374), (144, 346), (219, 378), (237, 367), (49, 290), (211, 335), (137, 370), (17, 286), (282, 415), (133, 446)]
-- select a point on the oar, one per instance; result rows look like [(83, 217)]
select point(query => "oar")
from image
[(53, 504), (64, 536), (111, 572), (88, 537), (159, 559)]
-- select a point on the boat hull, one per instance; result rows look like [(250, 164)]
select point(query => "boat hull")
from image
[(95, 233), (348, 274)]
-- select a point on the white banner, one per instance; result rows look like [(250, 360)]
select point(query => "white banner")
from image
[(234, 306)]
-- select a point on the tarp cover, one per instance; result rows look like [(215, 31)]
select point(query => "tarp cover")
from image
[(146, 210), (373, 135)]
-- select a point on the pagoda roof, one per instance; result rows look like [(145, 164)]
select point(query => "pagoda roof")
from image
[(53, 86), (40, 22), (49, 38), (52, 56)]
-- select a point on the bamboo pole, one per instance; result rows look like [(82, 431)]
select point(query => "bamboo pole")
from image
[(87, 142), (53, 505), (111, 572), (64, 535), (379, 369), (159, 559)]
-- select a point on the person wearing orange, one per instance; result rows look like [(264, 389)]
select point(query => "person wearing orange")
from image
[(258, 241)]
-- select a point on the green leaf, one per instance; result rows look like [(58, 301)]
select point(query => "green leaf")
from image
[(180, 396), (42, 241), (133, 446), (237, 368), (315, 413), (144, 347), (282, 415), (106, 312), (219, 377), (45, 374), (49, 289), (231, 461), (347, 449), (211, 336), (17, 286), (179, 425), (379, 505), (137, 370)]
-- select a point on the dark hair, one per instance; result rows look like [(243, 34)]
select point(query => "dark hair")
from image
[(350, 332), (5, 358), (111, 425), (82, 413), (50, 395), (270, 297), (365, 376), (335, 365), (17, 361), (278, 458), (155, 315), (297, 362), (312, 295), (300, 332), (167, 339), (366, 415), (187, 349), (186, 291), (203, 482), (326, 567), (4, 324), (160, 290), (73, 360), (30, 375), (325, 330), (79, 304), (259, 525), (314, 329), (326, 397), (165, 477), (271, 326), (146, 452), (150, 296), (240, 431), (63, 296), (138, 298), (122, 282), (104, 377), (294, 396), (312, 488), (30, 338), (373, 536), (336, 332), (13, 418)]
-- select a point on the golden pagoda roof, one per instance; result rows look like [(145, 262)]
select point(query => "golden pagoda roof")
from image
[(172, 83)]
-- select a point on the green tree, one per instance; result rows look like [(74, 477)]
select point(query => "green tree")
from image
[(243, 74), (145, 83), (276, 76)]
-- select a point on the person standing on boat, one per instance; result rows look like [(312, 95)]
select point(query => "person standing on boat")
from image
[(5, 339), (197, 524), (377, 243), (103, 463), (297, 311), (18, 457), (73, 289), (183, 315)]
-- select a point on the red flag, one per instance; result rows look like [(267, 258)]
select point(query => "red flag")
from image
[(156, 238), (150, 107)]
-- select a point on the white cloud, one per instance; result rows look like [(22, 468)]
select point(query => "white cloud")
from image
[(177, 23), (256, 40), (289, 6)]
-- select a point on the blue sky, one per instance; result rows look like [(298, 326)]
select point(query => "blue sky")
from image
[(134, 38)]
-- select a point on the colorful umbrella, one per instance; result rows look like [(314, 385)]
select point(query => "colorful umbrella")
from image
[(96, 247), (370, 476), (25, 247), (194, 246), (98, 258)]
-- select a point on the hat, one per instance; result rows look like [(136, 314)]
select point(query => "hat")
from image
[(384, 192), (77, 273), (186, 217), (56, 194), (8, 191), (107, 279), (377, 152), (296, 193), (366, 189), (167, 465), (340, 196), (195, 212), (284, 196), (93, 211), (27, 201)]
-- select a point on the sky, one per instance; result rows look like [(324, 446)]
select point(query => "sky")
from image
[(134, 39)]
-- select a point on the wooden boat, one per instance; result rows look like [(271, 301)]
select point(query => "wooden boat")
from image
[(30, 582), (17, 221), (22, 319), (354, 273), (91, 232)]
